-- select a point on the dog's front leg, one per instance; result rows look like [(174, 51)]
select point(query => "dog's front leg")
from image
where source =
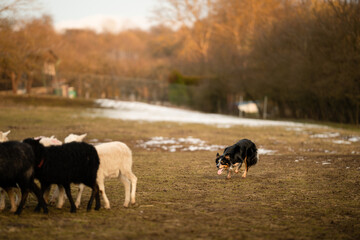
[(246, 170), (237, 167), (229, 174)]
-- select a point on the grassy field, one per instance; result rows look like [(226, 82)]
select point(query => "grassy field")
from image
[(308, 189)]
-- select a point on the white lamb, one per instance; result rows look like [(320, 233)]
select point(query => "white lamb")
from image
[(49, 141), (3, 136), (115, 162), (11, 193)]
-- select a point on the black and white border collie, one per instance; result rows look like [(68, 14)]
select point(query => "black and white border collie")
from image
[(244, 151)]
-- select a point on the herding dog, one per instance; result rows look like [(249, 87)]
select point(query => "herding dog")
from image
[(244, 151)]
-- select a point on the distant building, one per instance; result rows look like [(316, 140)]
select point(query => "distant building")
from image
[(248, 107), (49, 70)]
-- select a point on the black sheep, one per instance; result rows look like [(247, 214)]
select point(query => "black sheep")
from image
[(75, 162), (17, 162)]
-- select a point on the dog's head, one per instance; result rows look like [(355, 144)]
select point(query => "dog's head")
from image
[(222, 162)]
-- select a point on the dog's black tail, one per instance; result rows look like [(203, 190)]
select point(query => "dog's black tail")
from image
[(252, 157)]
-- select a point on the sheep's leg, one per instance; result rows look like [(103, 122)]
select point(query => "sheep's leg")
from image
[(94, 193), (133, 180), (126, 183), (24, 195), (2, 199), (103, 194), (40, 196), (17, 199), (61, 196), (97, 198), (11, 194), (100, 181), (54, 195), (78, 198), (46, 194), (44, 187), (71, 200)]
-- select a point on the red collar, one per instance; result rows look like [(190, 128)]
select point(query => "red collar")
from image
[(41, 163)]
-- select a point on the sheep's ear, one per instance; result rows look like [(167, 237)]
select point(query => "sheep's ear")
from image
[(6, 133), (81, 137)]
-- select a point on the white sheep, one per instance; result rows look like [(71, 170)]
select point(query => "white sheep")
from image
[(11, 193), (75, 138), (3, 136), (49, 141), (115, 162)]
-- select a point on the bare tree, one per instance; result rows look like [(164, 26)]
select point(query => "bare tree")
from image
[(8, 7)]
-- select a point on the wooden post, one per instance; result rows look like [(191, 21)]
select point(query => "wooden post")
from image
[(240, 102), (265, 107)]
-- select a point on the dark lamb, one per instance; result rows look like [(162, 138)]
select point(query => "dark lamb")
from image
[(75, 162), (17, 162)]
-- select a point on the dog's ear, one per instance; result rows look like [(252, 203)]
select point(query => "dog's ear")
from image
[(217, 155), (227, 156)]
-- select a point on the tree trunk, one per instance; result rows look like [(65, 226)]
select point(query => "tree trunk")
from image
[(29, 83), (14, 82)]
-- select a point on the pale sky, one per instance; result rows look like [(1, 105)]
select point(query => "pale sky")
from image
[(113, 15)]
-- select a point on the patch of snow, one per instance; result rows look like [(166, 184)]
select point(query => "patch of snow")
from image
[(262, 151), (203, 148), (354, 139), (137, 111), (325, 135), (174, 144), (188, 144), (295, 129), (330, 152), (341, 142)]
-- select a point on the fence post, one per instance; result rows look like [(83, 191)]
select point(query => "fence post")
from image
[(265, 107), (240, 102)]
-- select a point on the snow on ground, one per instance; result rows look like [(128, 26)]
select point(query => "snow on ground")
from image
[(354, 139), (183, 144), (328, 135), (325, 135), (263, 151), (341, 142), (188, 144), (137, 111)]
